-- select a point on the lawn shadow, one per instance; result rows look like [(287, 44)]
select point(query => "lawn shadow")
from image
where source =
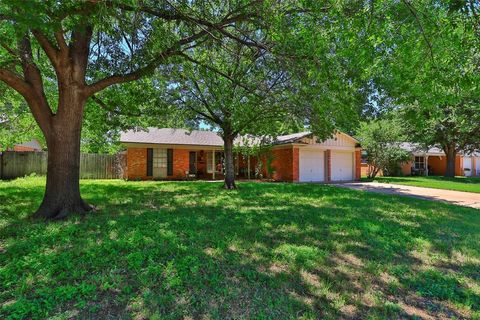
[(166, 249)]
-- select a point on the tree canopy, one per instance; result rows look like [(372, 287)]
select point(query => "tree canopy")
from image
[(428, 64)]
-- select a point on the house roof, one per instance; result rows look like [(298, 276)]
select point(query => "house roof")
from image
[(34, 144), (290, 138), (418, 148), (172, 136), (200, 138)]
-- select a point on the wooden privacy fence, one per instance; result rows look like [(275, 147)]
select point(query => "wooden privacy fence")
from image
[(92, 166)]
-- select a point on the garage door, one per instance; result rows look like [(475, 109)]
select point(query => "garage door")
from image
[(312, 166), (342, 166), (467, 164)]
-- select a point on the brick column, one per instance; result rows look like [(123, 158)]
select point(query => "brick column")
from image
[(328, 165), (358, 163), (295, 164), (474, 166)]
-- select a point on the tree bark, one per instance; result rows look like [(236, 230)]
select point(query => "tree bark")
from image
[(229, 162), (62, 193), (451, 157)]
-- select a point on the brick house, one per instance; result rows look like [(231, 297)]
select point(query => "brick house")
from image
[(175, 154), (433, 161), (29, 146)]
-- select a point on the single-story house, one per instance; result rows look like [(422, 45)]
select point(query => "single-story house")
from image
[(433, 161), (174, 154), (29, 146)]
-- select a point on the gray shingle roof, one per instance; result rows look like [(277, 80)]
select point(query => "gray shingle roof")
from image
[(417, 148), (34, 144), (172, 136), (197, 137), (291, 137)]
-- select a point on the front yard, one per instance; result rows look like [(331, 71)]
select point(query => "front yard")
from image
[(190, 250), (468, 184)]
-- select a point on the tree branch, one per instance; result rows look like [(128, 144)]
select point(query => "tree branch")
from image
[(223, 74), (49, 48), (62, 44), (104, 106), (204, 101), (41, 112), (16, 82), (420, 26), (135, 75)]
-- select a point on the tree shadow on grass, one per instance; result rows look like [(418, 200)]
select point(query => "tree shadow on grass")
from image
[(266, 251)]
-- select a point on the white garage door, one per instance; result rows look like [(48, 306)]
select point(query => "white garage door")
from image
[(342, 166), (312, 166), (467, 164)]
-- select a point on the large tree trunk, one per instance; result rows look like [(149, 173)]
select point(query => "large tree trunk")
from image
[(62, 193), (451, 157), (229, 162)]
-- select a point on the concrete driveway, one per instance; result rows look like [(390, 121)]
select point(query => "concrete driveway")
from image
[(466, 199)]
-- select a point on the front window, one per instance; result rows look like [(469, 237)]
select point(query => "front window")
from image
[(419, 162), (159, 160), (218, 162)]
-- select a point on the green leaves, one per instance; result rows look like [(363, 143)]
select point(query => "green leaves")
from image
[(381, 141)]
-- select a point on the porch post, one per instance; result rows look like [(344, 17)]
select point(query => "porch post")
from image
[(474, 166), (213, 165), (426, 165)]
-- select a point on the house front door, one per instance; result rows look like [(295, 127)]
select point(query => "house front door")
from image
[(192, 167)]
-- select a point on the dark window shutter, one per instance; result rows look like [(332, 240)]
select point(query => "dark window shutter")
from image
[(169, 162), (149, 162)]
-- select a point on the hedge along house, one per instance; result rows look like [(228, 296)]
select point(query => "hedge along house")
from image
[(176, 154)]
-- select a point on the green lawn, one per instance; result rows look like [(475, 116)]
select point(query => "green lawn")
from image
[(189, 250), (469, 184)]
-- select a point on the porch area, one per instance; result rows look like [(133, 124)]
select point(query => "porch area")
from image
[(433, 165), (209, 165)]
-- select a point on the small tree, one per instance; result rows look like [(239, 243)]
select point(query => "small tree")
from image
[(381, 140)]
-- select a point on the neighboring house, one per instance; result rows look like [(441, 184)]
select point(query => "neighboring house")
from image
[(176, 154), (433, 162), (32, 145)]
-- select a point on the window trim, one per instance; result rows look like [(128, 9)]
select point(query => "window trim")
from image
[(419, 165)]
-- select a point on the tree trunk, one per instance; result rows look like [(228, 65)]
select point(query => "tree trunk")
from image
[(229, 162), (451, 157), (62, 193)]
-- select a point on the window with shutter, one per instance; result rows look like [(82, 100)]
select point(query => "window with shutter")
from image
[(149, 162), (170, 162)]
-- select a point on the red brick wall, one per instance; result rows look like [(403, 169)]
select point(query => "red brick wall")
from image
[(181, 163), (438, 165), (137, 163), (328, 165), (459, 166), (22, 149), (358, 165), (474, 166), (296, 164), (285, 163)]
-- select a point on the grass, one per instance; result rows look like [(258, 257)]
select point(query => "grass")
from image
[(468, 184), (189, 250)]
